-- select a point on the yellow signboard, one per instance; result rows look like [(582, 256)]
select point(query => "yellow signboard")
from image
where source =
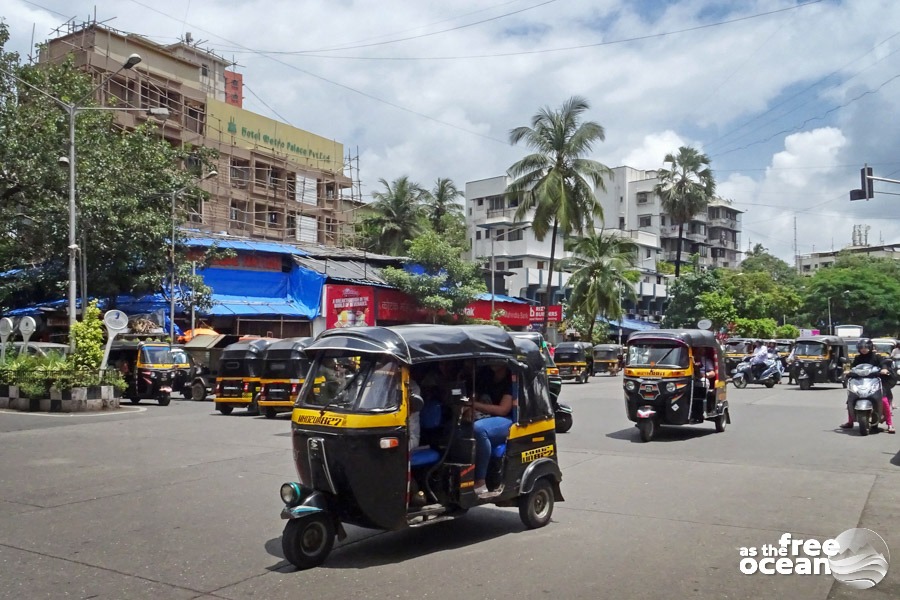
[(250, 130)]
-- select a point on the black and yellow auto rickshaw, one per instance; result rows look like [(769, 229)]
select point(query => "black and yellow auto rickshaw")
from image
[(283, 372), (351, 441), (184, 370), (675, 377), (575, 360), (819, 359), (736, 350), (146, 367), (884, 346), (238, 376), (606, 358), (563, 412)]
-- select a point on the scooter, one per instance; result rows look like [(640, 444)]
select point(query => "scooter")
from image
[(771, 374), (864, 394)]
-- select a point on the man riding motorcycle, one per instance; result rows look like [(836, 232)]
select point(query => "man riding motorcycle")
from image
[(759, 358), (868, 356)]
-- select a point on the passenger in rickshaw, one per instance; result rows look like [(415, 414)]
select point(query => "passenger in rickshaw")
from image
[(492, 418), (704, 382)]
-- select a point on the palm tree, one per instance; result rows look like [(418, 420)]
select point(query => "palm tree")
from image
[(555, 181), (441, 201), (395, 217), (600, 265), (685, 189)]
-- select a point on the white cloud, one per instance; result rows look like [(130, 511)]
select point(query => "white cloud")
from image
[(653, 150)]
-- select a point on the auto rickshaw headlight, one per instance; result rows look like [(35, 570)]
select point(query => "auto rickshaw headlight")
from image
[(630, 385), (670, 387), (290, 493)]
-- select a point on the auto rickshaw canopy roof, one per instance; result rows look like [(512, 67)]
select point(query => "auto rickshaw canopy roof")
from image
[(420, 343), (247, 348), (834, 340), (608, 347), (698, 338)]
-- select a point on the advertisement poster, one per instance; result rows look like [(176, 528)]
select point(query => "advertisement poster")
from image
[(349, 306), (537, 313)]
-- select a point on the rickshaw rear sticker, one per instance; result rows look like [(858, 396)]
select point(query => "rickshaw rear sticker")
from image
[(532, 455), (319, 420)]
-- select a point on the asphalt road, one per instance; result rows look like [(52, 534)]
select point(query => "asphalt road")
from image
[(181, 502)]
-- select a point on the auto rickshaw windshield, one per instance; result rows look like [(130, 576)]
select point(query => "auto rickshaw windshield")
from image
[(782, 348), (809, 349), (605, 354), (569, 356), (656, 354), (284, 368), (883, 347), (156, 355), (179, 356), (736, 347), (372, 387)]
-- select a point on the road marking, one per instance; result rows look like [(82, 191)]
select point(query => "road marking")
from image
[(124, 410)]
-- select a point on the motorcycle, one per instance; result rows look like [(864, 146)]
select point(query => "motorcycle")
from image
[(771, 373), (864, 394)]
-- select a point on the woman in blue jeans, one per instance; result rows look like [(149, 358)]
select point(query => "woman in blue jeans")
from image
[(492, 420)]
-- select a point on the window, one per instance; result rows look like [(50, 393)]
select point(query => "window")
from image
[(470, 211), (501, 266), (645, 221), (500, 235), (291, 225), (496, 203), (621, 222), (540, 264), (513, 202), (515, 236), (647, 253), (273, 217), (662, 220), (515, 264), (481, 202), (478, 235), (642, 197)]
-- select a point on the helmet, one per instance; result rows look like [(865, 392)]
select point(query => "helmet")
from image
[(865, 343), (770, 343)]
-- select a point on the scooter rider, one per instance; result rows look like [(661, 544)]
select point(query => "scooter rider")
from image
[(868, 356), (758, 360)]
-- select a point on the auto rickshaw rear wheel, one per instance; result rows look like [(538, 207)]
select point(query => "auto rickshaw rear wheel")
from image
[(805, 384), (198, 392), (164, 399), (270, 412), (647, 428), (134, 400), (225, 409), (536, 507), (720, 421), (306, 542)]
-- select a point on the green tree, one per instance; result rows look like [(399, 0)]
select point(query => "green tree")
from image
[(88, 336), (441, 206), (757, 294), (123, 181), (555, 181), (685, 190), (718, 307), (446, 284), (758, 260), (600, 266), (684, 308), (395, 217)]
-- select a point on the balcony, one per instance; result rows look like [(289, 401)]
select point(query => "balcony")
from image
[(726, 223)]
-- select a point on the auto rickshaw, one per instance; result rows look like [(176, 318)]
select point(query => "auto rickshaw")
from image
[(851, 347), (575, 360), (283, 372), (736, 350), (819, 359), (184, 371), (606, 358), (563, 412), (146, 367), (351, 441), (675, 377), (237, 382), (884, 346)]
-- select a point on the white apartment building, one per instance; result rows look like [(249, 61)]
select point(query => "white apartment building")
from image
[(810, 263), (494, 232), (715, 236)]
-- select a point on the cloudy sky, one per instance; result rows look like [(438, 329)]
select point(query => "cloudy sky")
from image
[(788, 98)]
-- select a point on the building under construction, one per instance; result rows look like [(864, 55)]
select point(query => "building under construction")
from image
[(275, 181)]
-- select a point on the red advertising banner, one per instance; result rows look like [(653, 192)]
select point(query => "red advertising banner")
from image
[(513, 314), (349, 306), (394, 305), (537, 313)]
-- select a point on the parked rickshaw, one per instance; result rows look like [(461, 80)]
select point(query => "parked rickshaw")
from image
[(351, 441), (283, 372), (575, 360), (819, 359), (184, 371), (736, 350), (237, 382), (205, 351), (147, 368), (675, 377), (606, 358), (562, 412)]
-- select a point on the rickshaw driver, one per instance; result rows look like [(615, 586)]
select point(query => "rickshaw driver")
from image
[(492, 420)]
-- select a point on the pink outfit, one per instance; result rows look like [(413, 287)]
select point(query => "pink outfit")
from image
[(886, 405)]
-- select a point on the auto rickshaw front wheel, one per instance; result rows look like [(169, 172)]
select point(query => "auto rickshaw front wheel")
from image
[(563, 422), (805, 384), (306, 542), (198, 392), (164, 399), (536, 507), (647, 428), (225, 409)]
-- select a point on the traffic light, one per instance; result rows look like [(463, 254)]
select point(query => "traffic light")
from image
[(867, 185)]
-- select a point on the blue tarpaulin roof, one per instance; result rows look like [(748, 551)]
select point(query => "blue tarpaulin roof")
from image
[(633, 324), (245, 245), (501, 298)]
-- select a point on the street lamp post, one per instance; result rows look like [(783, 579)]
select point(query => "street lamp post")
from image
[(175, 194), (830, 327)]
